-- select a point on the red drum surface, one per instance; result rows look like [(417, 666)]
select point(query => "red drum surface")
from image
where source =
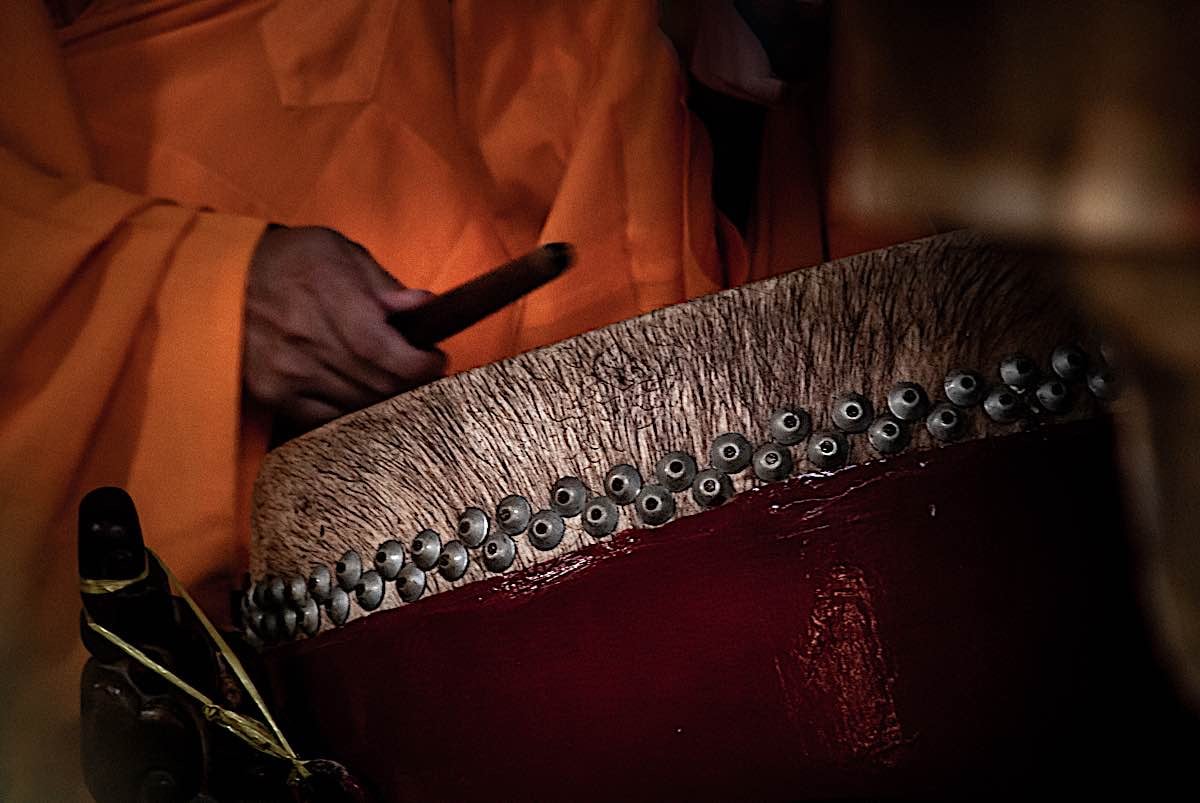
[(953, 622)]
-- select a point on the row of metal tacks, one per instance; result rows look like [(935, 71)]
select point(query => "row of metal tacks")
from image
[(278, 608)]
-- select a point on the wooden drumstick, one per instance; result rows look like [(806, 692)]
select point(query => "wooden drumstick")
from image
[(452, 312)]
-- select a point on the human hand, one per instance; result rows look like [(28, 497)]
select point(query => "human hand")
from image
[(316, 343)]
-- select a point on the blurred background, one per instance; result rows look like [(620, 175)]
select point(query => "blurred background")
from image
[(1066, 129)]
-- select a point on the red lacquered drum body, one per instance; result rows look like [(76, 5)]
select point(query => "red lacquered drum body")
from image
[(958, 621)]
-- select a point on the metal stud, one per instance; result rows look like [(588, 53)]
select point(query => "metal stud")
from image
[(546, 529), (772, 462), (828, 450), (622, 483), (349, 570), (498, 551), (245, 607), (276, 592), (730, 452), (675, 471), (389, 559), (268, 627), (1102, 384), (287, 621), (245, 603), (295, 592), (513, 513), (964, 388), (254, 621), (600, 516), (258, 594), (1018, 371), (452, 564), (567, 497), (887, 435), (425, 549), (788, 426), (712, 487), (852, 412), (1054, 396), (908, 401), (320, 583), (338, 606), (369, 591), (1003, 405), (410, 583), (310, 617), (253, 639), (472, 527), (1070, 363), (946, 422), (654, 505)]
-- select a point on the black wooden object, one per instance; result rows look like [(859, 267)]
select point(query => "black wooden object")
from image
[(144, 739)]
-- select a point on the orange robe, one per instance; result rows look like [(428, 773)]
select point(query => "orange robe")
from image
[(142, 151)]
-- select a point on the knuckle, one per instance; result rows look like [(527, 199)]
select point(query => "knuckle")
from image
[(282, 366), (382, 386), (370, 344), (435, 364), (265, 388), (299, 411)]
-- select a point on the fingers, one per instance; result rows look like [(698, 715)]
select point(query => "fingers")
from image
[(382, 347), (373, 341), (330, 385), (310, 413), (382, 357), (304, 374), (404, 299), (319, 392)]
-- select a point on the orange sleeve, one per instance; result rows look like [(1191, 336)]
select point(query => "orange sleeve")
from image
[(120, 344)]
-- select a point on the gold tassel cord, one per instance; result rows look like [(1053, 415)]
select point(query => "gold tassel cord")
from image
[(109, 586), (256, 734)]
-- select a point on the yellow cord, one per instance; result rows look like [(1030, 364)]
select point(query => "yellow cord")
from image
[(109, 586)]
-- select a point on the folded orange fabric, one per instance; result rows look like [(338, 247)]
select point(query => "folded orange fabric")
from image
[(142, 153)]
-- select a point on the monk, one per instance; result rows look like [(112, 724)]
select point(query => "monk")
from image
[(208, 208)]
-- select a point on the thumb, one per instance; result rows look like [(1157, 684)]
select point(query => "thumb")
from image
[(403, 299)]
